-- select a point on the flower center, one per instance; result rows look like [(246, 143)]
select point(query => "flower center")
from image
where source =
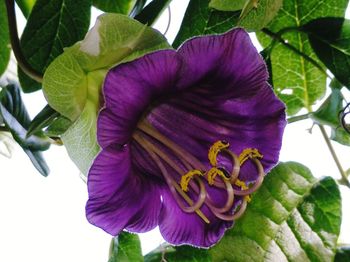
[(188, 178)]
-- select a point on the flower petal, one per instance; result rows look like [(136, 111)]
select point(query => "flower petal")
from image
[(112, 205), (130, 88), (178, 227)]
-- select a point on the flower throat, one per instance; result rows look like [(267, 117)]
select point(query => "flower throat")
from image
[(192, 174)]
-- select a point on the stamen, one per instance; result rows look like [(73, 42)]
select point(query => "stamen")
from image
[(213, 172), (236, 215), (243, 186), (257, 183), (185, 179), (174, 187), (249, 153), (215, 149)]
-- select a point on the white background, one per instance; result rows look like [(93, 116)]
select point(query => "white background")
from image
[(43, 219)]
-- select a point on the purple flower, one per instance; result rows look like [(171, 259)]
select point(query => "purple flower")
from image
[(186, 136)]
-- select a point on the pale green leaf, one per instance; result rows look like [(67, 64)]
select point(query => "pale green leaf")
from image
[(73, 81), (125, 247), (227, 5)]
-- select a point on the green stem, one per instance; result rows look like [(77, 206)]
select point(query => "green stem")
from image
[(16, 47), (335, 157), (277, 37), (298, 118), (152, 11)]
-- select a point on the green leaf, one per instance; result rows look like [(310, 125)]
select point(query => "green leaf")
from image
[(256, 14), (152, 11), (73, 81), (339, 135), (328, 113), (41, 120), (58, 126), (17, 120), (125, 247), (115, 6), (293, 217), (342, 255), (4, 39), (296, 81), (181, 253), (26, 6), (330, 39), (52, 26), (227, 5), (199, 19)]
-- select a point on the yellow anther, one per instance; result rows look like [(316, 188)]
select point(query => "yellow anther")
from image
[(213, 172), (243, 186), (186, 178), (249, 153), (215, 149)]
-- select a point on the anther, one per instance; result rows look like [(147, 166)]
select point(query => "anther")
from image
[(215, 149), (243, 186), (249, 153), (186, 178), (213, 172)]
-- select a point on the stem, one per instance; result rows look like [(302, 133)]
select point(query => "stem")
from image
[(298, 118), (335, 158), (16, 47), (278, 37)]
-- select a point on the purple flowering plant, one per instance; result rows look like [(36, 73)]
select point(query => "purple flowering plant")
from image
[(186, 137)]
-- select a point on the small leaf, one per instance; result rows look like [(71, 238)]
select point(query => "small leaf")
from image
[(199, 19), (341, 136), (52, 26), (227, 5), (298, 82), (257, 14), (328, 113), (114, 6), (152, 11), (17, 120), (45, 117), (4, 39), (342, 255), (137, 7), (125, 247), (58, 127), (330, 39), (26, 6), (73, 81), (293, 217), (180, 253)]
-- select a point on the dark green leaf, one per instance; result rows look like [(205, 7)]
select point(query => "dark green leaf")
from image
[(4, 39), (17, 120), (342, 255), (137, 7), (124, 248), (181, 253), (201, 20), (58, 126), (26, 6), (293, 217), (38, 161), (45, 117), (330, 39), (52, 25), (152, 11), (328, 113), (114, 6), (298, 82)]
